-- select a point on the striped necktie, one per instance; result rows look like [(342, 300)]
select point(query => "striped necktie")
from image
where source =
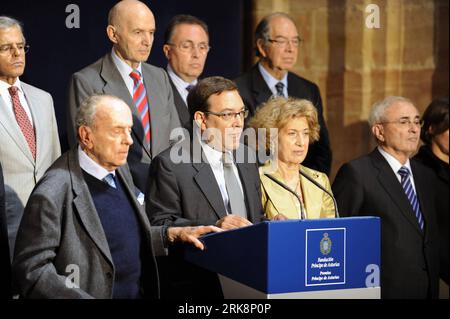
[(141, 101), (23, 120), (409, 191)]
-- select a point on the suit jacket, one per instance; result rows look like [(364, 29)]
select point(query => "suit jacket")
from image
[(276, 199), (409, 257), (186, 193), (5, 263), (441, 171), (182, 109), (254, 91), (61, 229), (20, 171), (102, 77), (182, 194)]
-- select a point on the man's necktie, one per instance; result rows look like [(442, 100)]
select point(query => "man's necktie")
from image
[(23, 120), (236, 199), (141, 102), (280, 86), (109, 179), (409, 191), (189, 87)]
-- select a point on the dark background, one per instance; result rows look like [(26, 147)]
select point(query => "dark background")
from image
[(56, 51)]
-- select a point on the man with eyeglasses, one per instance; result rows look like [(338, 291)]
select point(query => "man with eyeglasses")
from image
[(400, 190), (277, 44), (186, 48), (211, 180), (123, 73), (28, 129)]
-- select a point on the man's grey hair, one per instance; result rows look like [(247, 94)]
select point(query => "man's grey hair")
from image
[(88, 108), (263, 28), (8, 22), (377, 114)]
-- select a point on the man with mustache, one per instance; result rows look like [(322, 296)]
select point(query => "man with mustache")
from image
[(400, 190), (123, 73), (277, 44)]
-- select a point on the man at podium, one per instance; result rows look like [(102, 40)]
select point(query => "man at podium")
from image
[(386, 183), (205, 180)]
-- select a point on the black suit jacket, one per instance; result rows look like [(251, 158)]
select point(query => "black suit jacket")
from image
[(254, 91), (182, 109), (5, 263), (367, 186)]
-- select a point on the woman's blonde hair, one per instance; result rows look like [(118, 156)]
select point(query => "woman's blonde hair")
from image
[(278, 111)]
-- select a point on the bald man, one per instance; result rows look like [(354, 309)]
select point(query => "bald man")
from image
[(145, 88)]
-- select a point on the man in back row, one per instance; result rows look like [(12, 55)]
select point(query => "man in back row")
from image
[(124, 73), (85, 233)]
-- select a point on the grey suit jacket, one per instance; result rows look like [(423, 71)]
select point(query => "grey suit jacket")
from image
[(61, 229), (20, 171), (102, 77), (182, 194)]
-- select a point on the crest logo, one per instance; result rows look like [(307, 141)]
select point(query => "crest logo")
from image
[(325, 244)]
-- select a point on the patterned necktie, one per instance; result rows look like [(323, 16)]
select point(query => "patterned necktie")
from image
[(23, 120), (409, 191), (280, 86), (141, 102), (236, 199), (109, 179)]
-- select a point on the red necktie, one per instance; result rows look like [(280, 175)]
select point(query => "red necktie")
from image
[(141, 102), (23, 120)]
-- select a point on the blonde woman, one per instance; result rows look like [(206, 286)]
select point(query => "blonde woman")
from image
[(289, 189)]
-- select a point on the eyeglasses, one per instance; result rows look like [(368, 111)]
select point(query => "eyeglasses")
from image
[(405, 123), (229, 116), (10, 47), (283, 42), (188, 46)]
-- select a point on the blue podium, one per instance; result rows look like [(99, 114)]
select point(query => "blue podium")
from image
[(321, 258)]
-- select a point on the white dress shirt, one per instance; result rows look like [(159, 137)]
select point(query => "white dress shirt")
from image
[(396, 165), (180, 84), (214, 158), (271, 81), (125, 70), (4, 93)]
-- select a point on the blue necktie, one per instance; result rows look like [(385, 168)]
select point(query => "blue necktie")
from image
[(110, 180), (409, 191)]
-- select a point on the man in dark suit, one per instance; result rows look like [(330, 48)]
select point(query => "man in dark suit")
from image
[(211, 180), (277, 43), (386, 183), (5, 263), (124, 73), (85, 233), (186, 46)]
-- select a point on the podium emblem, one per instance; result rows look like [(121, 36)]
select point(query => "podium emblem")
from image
[(325, 244)]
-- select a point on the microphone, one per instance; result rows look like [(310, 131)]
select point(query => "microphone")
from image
[(302, 213), (323, 188)]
